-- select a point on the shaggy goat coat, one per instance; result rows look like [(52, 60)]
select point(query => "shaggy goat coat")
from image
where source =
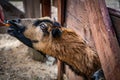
[(73, 50)]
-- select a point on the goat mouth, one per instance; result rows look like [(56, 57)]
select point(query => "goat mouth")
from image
[(10, 31)]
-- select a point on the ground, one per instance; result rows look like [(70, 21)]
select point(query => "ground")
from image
[(17, 64)]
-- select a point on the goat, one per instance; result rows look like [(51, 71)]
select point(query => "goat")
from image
[(49, 37)]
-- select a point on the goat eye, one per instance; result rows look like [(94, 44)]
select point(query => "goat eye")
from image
[(43, 26)]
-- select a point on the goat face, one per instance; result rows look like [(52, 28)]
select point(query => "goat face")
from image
[(32, 31), (17, 30)]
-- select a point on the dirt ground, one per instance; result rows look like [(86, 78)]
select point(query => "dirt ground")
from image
[(17, 64)]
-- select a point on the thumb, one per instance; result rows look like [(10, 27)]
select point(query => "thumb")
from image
[(1, 15)]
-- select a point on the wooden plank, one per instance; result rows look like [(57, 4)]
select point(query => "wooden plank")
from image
[(46, 8), (55, 2), (71, 75), (60, 70), (61, 20), (77, 19), (1, 16), (32, 8), (115, 17), (114, 12), (10, 11), (61, 11), (37, 9), (28, 6), (116, 24), (104, 37)]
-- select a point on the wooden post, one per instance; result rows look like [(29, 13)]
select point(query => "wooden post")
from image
[(61, 11), (46, 8), (104, 37), (37, 9), (115, 17), (32, 8), (77, 19), (61, 20), (60, 70), (28, 6)]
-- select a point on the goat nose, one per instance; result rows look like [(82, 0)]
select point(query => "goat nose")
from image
[(18, 20), (14, 21)]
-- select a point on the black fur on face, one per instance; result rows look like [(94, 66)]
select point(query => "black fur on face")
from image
[(17, 30), (56, 32), (37, 22)]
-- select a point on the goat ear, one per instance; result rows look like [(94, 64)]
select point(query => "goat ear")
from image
[(56, 24), (56, 32)]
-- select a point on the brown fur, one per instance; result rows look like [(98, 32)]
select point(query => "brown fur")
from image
[(69, 48)]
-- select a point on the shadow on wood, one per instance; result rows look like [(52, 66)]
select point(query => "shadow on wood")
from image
[(11, 11)]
